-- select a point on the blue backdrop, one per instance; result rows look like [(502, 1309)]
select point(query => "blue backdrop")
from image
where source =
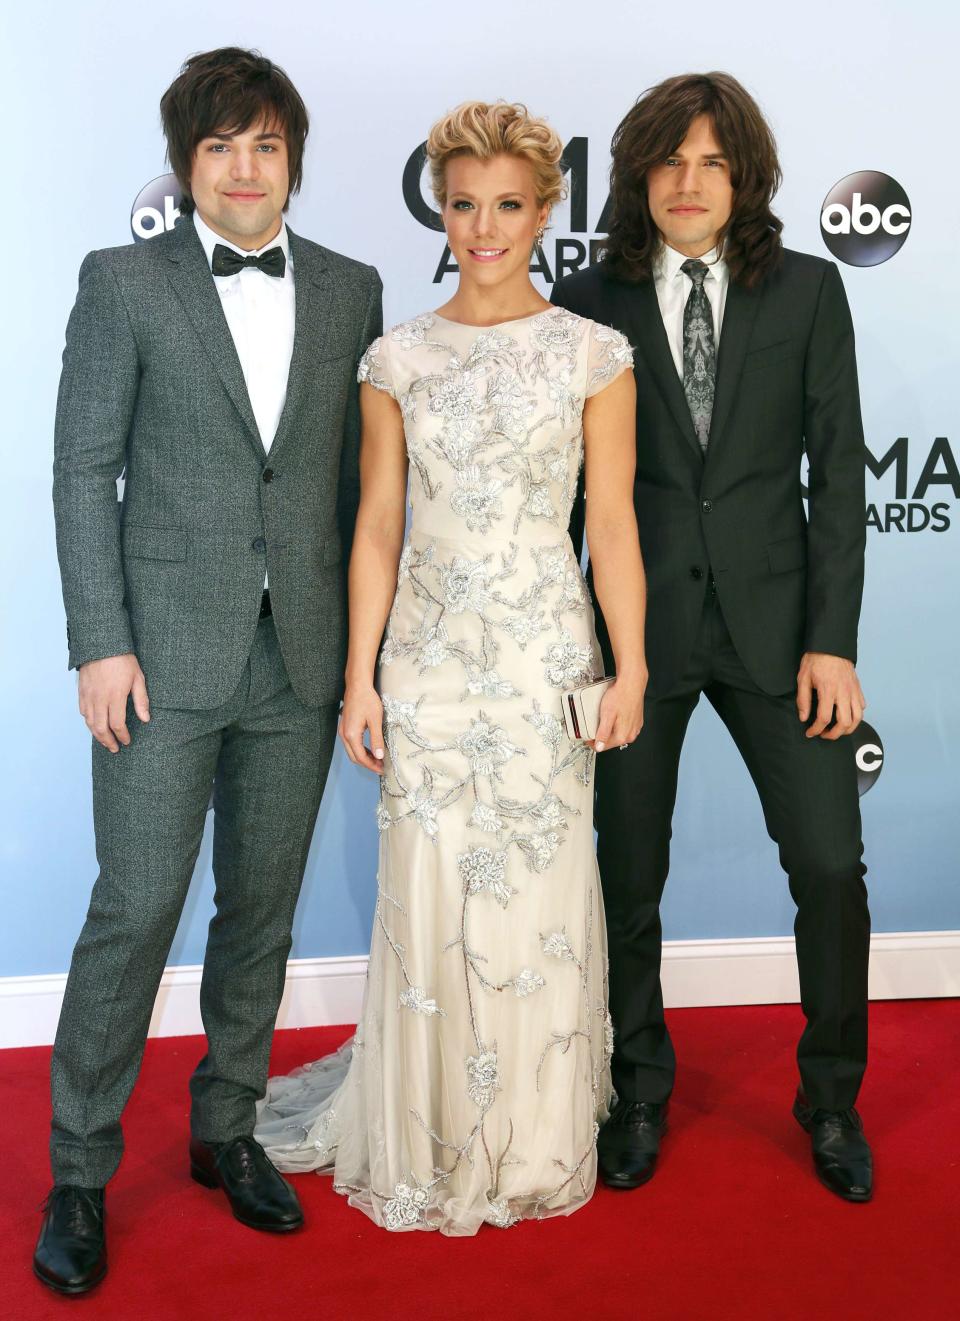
[(844, 93)]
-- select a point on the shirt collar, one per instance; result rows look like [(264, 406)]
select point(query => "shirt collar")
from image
[(210, 239), (669, 262)]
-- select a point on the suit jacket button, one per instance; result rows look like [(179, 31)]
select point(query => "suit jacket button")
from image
[(267, 475), (706, 506), (259, 544), (696, 571)]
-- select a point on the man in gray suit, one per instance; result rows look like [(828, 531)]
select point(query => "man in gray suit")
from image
[(216, 367)]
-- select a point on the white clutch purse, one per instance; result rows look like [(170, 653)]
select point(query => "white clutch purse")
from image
[(581, 709)]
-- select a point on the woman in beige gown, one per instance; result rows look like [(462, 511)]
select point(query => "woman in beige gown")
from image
[(478, 1074)]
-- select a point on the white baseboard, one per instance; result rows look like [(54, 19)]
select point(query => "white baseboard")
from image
[(320, 992)]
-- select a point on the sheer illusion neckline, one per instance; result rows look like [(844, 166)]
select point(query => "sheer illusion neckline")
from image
[(513, 321)]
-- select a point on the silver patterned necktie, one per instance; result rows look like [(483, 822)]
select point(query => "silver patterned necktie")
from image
[(699, 352)]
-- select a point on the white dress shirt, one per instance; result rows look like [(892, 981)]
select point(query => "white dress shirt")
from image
[(673, 289), (260, 311)]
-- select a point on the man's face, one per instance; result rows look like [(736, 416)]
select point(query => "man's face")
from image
[(690, 193), (240, 183)]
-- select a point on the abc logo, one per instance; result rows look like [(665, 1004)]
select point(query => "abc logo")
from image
[(869, 756), (156, 207), (865, 218)]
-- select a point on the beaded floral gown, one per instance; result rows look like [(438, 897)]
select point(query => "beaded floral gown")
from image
[(473, 1088)]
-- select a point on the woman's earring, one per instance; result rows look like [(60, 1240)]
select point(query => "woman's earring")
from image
[(539, 238)]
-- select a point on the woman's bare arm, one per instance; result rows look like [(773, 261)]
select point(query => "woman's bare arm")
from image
[(377, 544), (609, 435)]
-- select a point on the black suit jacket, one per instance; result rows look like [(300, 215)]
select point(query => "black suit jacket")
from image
[(786, 383)]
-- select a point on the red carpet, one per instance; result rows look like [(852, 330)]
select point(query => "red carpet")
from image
[(733, 1227)]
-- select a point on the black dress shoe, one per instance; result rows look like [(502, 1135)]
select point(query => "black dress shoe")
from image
[(841, 1153), (71, 1253), (259, 1195), (629, 1143)]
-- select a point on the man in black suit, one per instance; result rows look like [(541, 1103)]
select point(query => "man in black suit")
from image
[(744, 360)]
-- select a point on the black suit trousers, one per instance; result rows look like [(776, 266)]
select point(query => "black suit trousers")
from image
[(808, 791)]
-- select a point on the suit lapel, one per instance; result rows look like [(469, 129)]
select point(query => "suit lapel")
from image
[(312, 285), (650, 338), (190, 276), (739, 314)]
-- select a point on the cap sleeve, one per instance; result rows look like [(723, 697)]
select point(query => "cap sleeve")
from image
[(375, 367), (609, 355)]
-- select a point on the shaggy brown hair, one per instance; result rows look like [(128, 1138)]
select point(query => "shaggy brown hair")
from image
[(652, 131), (226, 91)]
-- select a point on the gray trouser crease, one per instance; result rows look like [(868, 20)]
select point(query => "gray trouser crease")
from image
[(265, 756)]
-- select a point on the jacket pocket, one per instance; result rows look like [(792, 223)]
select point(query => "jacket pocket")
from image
[(783, 351), (791, 553), (154, 543)]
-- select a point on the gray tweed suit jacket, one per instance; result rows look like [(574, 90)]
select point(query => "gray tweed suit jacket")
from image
[(152, 387)]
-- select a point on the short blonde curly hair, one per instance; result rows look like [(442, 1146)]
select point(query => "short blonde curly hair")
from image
[(486, 129)]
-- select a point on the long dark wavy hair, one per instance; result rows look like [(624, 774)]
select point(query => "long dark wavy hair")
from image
[(653, 130)]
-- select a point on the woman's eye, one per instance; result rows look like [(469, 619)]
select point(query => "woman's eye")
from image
[(461, 205), (511, 205)]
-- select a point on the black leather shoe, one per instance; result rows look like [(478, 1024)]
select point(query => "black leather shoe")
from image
[(629, 1143), (71, 1253), (259, 1195), (841, 1153)]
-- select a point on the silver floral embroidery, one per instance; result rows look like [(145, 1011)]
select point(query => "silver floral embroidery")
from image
[(617, 353), (477, 498), (483, 1078), (526, 982), (489, 684), (607, 1033), (486, 746), (485, 869), (411, 333), (465, 584), (415, 998), (406, 1207), (557, 945), (540, 849), (435, 652), (499, 1214), (567, 663), (325, 1133), (485, 818)]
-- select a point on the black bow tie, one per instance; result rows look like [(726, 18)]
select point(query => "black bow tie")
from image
[(228, 262)]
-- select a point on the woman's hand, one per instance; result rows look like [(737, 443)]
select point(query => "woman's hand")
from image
[(621, 712), (362, 711)]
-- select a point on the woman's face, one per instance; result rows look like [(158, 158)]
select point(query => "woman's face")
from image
[(491, 217)]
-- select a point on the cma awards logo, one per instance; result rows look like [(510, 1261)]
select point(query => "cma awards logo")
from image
[(868, 751), (156, 208), (569, 254), (915, 507), (925, 479), (865, 218)]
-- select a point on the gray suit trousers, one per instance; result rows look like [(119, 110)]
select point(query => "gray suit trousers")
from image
[(266, 756)]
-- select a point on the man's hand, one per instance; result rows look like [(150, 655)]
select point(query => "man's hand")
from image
[(104, 688), (839, 695)]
